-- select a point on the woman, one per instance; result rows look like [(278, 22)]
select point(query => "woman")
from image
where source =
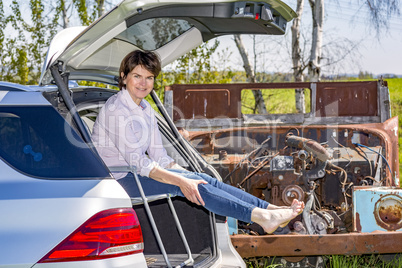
[(126, 133)]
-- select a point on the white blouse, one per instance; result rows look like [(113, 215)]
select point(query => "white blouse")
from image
[(127, 134)]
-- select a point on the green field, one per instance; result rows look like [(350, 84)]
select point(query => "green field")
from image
[(337, 261), (277, 101), (395, 90)]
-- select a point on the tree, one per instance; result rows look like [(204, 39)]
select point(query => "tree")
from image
[(39, 36), (24, 49), (297, 60), (259, 100), (314, 65), (195, 67), (86, 15), (64, 9), (3, 24), (380, 12), (100, 7), (87, 11), (24, 58)]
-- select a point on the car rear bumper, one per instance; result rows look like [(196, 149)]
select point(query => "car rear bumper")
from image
[(135, 260)]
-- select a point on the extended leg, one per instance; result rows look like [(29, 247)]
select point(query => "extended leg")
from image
[(236, 192)]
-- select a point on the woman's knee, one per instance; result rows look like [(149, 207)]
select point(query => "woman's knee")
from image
[(206, 189), (206, 177), (193, 176)]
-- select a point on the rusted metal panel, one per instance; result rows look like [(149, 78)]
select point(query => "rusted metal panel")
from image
[(309, 145), (205, 101), (383, 134), (377, 208), (328, 99), (310, 245), (388, 212), (222, 99), (347, 99), (207, 105)]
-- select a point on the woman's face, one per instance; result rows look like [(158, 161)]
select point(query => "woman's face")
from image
[(139, 83)]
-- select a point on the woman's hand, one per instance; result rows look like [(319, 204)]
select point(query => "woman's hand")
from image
[(190, 190), (188, 187)]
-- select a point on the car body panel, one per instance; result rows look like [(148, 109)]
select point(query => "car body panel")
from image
[(121, 262), (51, 203), (8, 86), (21, 98), (39, 213)]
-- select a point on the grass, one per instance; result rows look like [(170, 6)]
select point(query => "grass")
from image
[(277, 101), (335, 261), (369, 261), (395, 91)]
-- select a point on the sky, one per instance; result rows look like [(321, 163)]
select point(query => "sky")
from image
[(346, 26), (379, 55)]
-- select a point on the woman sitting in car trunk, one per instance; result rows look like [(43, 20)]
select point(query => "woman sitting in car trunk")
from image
[(126, 133)]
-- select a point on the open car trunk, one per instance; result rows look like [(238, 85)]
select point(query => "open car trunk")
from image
[(340, 157)]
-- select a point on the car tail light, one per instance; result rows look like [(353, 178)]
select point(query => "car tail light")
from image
[(109, 233)]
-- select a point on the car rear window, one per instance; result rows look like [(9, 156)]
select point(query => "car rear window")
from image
[(37, 141), (153, 33)]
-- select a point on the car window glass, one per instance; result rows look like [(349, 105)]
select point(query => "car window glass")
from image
[(151, 34), (37, 141)]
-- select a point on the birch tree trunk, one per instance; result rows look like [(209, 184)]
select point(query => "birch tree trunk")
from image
[(65, 18), (298, 66), (101, 7), (259, 100), (314, 65)]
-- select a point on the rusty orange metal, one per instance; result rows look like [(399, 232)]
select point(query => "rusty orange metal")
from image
[(310, 245), (384, 131), (388, 212), (342, 93), (211, 101), (223, 99)]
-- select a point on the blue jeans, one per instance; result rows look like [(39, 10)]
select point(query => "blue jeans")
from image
[(220, 198)]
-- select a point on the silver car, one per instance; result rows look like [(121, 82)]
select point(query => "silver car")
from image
[(59, 204)]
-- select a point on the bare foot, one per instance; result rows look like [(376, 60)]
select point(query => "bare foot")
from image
[(270, 220), (296, 206)]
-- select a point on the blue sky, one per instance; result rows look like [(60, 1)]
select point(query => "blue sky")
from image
[(378, 55)]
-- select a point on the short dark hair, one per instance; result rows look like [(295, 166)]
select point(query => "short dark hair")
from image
[(147, 59)]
